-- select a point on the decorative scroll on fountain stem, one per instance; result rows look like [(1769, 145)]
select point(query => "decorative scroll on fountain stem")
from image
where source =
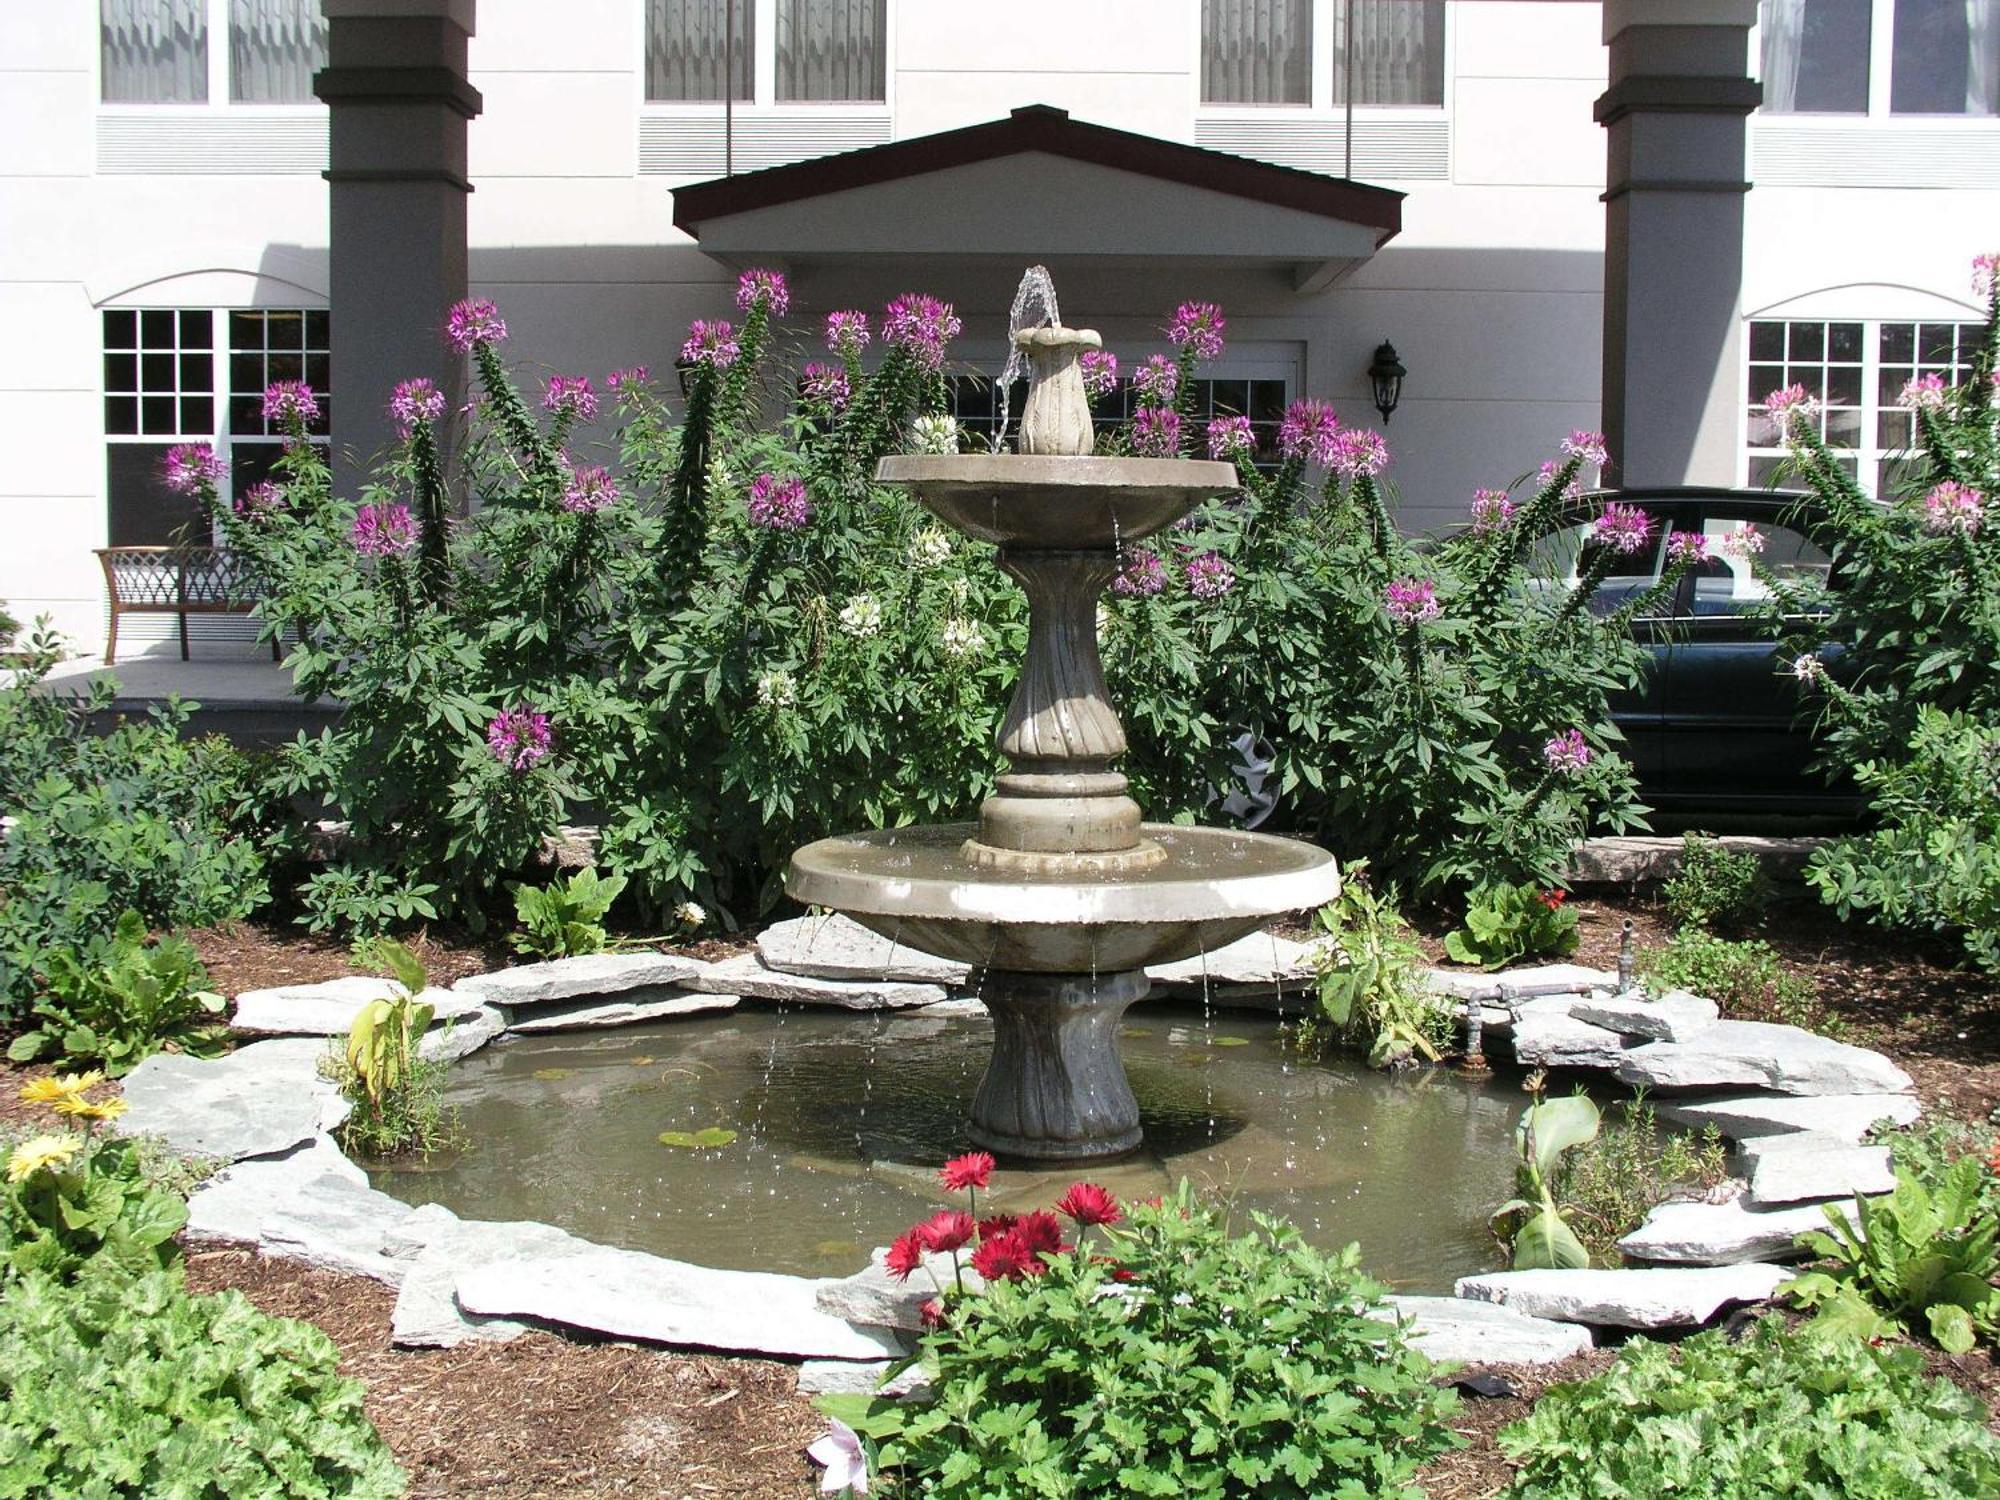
[(1060, 895)]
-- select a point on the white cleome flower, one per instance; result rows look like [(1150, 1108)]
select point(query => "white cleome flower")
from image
[(1808, 668), (775, 689), (937, 435), (1745, 541), (862, 618), (1103, 620), (929, 547), (721, 478), (690, 914), (962, 638)]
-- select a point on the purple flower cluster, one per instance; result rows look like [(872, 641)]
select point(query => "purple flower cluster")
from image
[(758, 285), (1925, 393), (1100, 371), (1158, 380), (1492, 510), (289, 401), (415, 400), (590, 489), (1588, 446), (473, 321), (519, 736), (1209, 576), (1198, 326), (1789, 406), (711, 343), (190, 468), (1953, 508), (1355, 451), (1308, 431), (1687, 547), (1411, 601), (1546, 476), (1567, 754), (1156, 432), (847, 332), (778, 504), (1985, 269), (1143, 574), (619, 380), (827, 385), (260, 499), (921, 324), (1622, 528), (1229, 436), (570, 396), (384, 530)]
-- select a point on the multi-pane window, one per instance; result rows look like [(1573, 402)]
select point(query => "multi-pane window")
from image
[(1857, 371), (1900, 57), (975, 402), (818, 51), (1263, 51), (166, 382), (158, 52), (691, 45)]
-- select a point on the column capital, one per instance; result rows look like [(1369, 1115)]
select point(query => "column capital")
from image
[(458, 12), (1623, 15)]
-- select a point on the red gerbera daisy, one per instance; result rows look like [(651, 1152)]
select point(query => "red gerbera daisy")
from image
[(906, 1253), (932, 1312), (1087, 1203), (950, 1229), (999, 1224), (1003, 1258), (972, 1170), (1039, 1231)]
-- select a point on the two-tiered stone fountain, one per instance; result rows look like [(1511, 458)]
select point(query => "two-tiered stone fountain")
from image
[(1060, 896)]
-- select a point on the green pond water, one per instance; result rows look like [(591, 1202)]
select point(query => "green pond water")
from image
[(841, 1121)]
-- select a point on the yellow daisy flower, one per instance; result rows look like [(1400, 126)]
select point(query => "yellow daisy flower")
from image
[(79, 1108), (31, 1156), (59, 1086)]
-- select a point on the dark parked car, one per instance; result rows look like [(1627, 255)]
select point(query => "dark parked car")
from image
[(1716, 728)]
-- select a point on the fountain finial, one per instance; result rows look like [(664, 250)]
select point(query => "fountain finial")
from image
[(1056, 419)]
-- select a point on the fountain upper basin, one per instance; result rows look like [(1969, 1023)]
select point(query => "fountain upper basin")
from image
[(914, 887), (1058, 503)]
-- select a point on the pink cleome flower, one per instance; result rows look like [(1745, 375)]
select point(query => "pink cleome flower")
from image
[(384, 530), (473, 321), (1356, 451), (1209, 576), (1492, 510), (1100, 371), (519, 736), (1158, 380), (570, 396), (1567, 754), (1230, 436), (1985, 273), (923, 325), (1308, 431), (1623, 528), (288, 401), (778, 504), (260, 499), (1687, 547), (1789, 407), (415, 400), (590, 489), (760, 286), (1953, 509), (1143, 575), (1198, 326), (1411, 601), (1156, 432), (825, 384), (1588, 446), (847, 332), (1923, 393), (628, 379), (1546, 476), (191, 468), (711, 343)]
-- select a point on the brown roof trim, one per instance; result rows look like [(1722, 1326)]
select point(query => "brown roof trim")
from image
[(1040, 127)]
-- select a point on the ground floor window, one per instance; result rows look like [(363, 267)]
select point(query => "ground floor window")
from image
[(197, 375), (1856, 369)]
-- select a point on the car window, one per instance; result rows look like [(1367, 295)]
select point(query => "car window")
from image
[(1563, 556), (1727, 583)]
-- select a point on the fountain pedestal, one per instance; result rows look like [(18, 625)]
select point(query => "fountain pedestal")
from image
[(1055, 1088)]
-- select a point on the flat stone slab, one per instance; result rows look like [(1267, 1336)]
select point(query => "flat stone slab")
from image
[(1453, 1330), (1262, 971), (462, 1036), (875, 1299), (570, 978), (745, 975), (256, 1101), (1667, 1297), (1624, 859), (628, 1010), (630, 1295), (1673, 1017), (1528, 983), (1723, 1234), (1757, 1054), (310, 1204), (1808, 1169), (427, 1314), (1545, 1040), (838, 947), (1848, 1117), (843, 1377), (329, 1008)]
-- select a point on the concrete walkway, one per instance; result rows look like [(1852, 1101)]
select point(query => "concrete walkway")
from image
[(246, 698)]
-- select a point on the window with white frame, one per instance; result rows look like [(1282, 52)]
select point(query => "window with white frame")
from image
[(1265, 52), (167, 380), (1856, 370), (1880, 57), (813, 51), (164, 52)]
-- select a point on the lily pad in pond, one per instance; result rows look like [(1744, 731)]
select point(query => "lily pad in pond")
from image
[(552, 1075), (1231, 1041), (708, 1138)]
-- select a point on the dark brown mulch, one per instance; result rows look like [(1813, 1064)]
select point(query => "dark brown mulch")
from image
[(544, 1416), (1479, 1469)]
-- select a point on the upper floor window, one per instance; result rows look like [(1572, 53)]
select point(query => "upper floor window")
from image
[(823, 51), (1898, 57), (1263, 51), (158, 52)]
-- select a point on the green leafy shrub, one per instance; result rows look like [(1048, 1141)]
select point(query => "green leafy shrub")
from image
[(124, 1007), (1372, 982), (395, 1094), (1176, 1359), (1772, 1415), (1917, 1258), (1716, 886), (1508, 922), (1609, 1184), (1533, 1226), (129, 1386), (1929, 1149), (1743, 977), (565, 918)]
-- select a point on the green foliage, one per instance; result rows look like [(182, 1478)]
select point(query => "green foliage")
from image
[(363, 901), (1744, 978), (1371, 981), (396, 1095), (1773, 1415), (1224, 1366), (1717, 887), (1920, 1257), (1608, 1185), (1930, 1148), (1533, 1226), (1507, 922), (129, 1386), (121, 1008), (565, 918), (79, 1199)]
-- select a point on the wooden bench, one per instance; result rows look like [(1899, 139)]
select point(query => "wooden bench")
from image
[(178, 581)]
